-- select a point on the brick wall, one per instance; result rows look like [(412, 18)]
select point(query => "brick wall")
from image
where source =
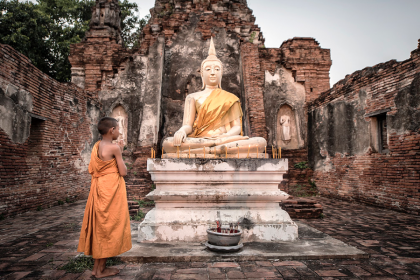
[(96, 60), (297, 183), (50, 164), (253, 90), (310, 64), (343, 136)]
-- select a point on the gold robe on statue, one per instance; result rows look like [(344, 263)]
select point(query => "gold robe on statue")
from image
[(106, 224), (219, 109)]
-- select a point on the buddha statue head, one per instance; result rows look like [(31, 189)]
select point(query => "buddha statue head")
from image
[(211, 68)]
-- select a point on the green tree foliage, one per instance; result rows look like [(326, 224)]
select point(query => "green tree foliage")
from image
[(24, 27), (69, 22), (131, 25), (44, 31)]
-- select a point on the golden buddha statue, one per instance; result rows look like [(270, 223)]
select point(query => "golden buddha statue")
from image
[(212, 123)]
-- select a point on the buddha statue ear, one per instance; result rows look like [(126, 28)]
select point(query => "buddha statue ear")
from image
[(221, 75), (202, 80)]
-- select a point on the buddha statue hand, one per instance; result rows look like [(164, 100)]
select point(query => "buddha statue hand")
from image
[(179, 137)]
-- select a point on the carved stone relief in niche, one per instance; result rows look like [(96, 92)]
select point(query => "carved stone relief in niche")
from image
[(286, 132), (121, 116)]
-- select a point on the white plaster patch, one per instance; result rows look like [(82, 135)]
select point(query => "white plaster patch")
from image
[(148, 129), (269, 79), (283, 75), (324, 165), (396, 203), (15, 106), (85, 157), (6, 117), (81, 165)]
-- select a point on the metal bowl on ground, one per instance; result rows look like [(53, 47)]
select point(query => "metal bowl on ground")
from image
[(223, 239), (224, 249)]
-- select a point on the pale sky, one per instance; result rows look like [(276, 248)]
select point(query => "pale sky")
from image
[(359, 33)]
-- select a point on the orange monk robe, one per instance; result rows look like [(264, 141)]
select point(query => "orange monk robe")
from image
[(106, 224)]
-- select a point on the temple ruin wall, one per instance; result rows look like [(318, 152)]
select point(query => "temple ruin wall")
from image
[(364, 136), (47, 131)]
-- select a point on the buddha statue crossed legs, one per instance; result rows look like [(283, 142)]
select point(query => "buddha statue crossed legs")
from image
[(212, 122)]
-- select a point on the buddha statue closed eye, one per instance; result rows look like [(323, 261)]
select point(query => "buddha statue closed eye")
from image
[(212, 122)]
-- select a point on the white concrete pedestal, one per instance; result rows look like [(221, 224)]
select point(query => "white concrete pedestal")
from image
[(191, 194)]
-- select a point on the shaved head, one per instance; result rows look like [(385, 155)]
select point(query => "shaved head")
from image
[(105, 124)]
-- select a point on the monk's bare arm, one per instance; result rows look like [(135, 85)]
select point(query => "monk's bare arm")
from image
[(120, 162), (187, 122)]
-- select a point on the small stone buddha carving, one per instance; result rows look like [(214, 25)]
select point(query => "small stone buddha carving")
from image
[(212, 122), (122, 125), (285, 123)]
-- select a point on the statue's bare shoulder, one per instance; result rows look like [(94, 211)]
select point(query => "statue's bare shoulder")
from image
[(195, 95)]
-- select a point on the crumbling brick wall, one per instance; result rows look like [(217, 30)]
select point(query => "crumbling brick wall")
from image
[(46, 136), (293, 75), (364, 136), (170, 16), (309, 63)]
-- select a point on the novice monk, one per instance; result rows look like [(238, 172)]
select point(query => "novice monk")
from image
[(106, 224)]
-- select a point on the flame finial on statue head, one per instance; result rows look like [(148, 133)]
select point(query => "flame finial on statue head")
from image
[(211, 57), (212, 50)]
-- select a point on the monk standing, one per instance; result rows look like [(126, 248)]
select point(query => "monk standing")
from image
[(106, 223)]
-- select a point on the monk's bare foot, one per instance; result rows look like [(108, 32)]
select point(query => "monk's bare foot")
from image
[(95, 267), (108, 271)]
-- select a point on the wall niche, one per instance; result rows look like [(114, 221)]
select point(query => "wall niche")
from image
[(120, 114), (286, 129)]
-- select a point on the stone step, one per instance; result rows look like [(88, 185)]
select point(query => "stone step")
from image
[(137, 186), (134, 207), (131, 202), (133, 212), (300, 201), (137, 181), (301, 208), (307, 210), (291, 207)]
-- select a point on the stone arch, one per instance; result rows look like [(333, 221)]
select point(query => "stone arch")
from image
[(117, 102)]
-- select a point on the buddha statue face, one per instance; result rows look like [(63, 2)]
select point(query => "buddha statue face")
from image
[(211, 68), (211, 73)]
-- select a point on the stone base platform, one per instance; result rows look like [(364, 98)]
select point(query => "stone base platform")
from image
[(192, 194), (312, 244)]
